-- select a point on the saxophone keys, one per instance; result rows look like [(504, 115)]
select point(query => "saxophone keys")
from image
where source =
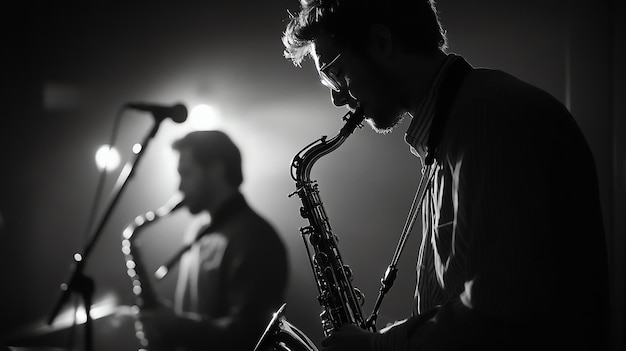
[(306, 230), (304, 213), (315, 239), (321, 259), (348, 271), (360, 296)]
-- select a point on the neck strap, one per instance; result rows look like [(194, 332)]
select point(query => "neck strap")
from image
[(449, 88)]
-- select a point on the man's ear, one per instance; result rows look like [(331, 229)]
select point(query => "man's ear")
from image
[(380, 43)]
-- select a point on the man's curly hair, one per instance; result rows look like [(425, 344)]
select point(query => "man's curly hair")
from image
[(414, 22)]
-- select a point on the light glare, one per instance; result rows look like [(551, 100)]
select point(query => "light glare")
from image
[(107, 158), (205, 117), (137, 148)]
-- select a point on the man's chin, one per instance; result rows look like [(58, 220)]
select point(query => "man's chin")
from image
[(384, 126), (194, 210), (378, 128)]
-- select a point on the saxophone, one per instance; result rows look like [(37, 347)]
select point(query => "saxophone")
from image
[(144, 294), (340, 301)]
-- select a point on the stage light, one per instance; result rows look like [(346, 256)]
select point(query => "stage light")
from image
[(204, 117), (107, 158)]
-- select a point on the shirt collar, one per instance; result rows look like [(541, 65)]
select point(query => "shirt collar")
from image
[(419, 129), (230, 207)]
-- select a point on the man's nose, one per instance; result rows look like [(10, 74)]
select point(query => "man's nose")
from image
[(340, 98)]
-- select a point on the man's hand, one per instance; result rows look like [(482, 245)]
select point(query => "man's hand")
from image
[(349, 338)]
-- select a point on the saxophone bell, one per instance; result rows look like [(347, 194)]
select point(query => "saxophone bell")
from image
[(281, 335)]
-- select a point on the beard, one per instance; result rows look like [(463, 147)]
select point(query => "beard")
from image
[(193, 204), (384, 123), (194, 209)]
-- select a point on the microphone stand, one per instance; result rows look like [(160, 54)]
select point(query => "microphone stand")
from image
[(78, 282)]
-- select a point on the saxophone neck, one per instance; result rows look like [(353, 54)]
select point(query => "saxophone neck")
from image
[(173, 204), (304, 160)]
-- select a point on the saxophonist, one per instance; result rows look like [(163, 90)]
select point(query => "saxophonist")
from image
[(234, 274), (513, 252)]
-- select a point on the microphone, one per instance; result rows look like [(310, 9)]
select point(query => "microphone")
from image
[(178, 112)]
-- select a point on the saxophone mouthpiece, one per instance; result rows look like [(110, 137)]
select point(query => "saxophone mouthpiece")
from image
[(353, 120)]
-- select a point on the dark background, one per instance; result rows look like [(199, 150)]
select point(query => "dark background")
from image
[(69, 67)]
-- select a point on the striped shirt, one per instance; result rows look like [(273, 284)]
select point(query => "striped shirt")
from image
[(430, 275), (513, 250), (419, 129)]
